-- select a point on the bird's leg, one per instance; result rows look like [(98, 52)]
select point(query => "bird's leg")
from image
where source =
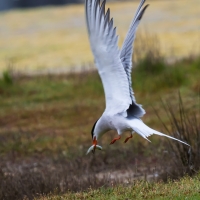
[(126, 140), (115, 139)]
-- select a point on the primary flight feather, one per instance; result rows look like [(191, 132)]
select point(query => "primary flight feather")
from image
[(114, 66)]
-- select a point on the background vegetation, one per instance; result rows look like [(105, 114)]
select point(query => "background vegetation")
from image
[(55, 38), (45, 120), (46, 123)]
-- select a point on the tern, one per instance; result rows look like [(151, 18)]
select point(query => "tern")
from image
[(122, 113)]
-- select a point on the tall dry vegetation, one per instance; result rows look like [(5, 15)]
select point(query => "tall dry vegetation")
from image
[(184, 120)]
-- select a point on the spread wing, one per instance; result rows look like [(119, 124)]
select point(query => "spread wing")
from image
[(103, 41), (126, 56)]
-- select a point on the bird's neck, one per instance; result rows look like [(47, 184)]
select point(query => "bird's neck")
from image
[(101, 127)]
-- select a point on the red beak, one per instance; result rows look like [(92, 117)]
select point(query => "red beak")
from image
[(94, 143)]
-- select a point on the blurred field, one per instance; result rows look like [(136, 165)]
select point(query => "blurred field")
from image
[(45, 120), (56, 37), (70, 104), (45, 124)]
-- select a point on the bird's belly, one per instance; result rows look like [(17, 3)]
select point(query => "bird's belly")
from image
[(119, 123)]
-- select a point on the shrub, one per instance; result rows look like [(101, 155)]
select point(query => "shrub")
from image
[(147, 55), (185, 126), (7, 78)]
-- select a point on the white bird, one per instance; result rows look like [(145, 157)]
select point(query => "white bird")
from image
[(114, 66)]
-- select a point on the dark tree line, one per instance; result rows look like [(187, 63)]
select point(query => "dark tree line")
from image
[(10, 4)]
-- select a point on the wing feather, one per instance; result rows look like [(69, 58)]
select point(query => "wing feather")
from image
[(103, 41), (126, 57)]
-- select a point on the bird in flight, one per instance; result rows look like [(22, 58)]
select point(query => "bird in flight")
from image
[(122, 113)]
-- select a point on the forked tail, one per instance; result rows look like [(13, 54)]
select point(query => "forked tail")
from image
[(145, 131)]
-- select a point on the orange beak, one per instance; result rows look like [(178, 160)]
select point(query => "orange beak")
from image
[(94, 146), (94, 143)]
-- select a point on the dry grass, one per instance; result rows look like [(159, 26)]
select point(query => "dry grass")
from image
[(55, 37), (48, 171), (184, 125)]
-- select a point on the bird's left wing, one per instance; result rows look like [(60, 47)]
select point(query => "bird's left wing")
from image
[(103, 41), (126, 55)]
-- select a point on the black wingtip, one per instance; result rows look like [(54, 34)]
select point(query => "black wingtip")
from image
[(142, 12), (107, 18), (107, 15), (102, 8), (104, 2)]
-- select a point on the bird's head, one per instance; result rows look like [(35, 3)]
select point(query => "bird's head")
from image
[(94, 143)]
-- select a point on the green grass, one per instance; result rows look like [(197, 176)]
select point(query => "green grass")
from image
[(186, 188)]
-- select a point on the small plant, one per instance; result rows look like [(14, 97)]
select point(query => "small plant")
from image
[(7, 78), (151, 72), (152, 64), (185, 126), (147, 55)]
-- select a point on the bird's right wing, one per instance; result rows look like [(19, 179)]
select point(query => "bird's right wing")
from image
[(103, 41)]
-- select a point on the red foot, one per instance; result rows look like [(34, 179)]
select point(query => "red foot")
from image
[(126, 140), (115, 139)]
